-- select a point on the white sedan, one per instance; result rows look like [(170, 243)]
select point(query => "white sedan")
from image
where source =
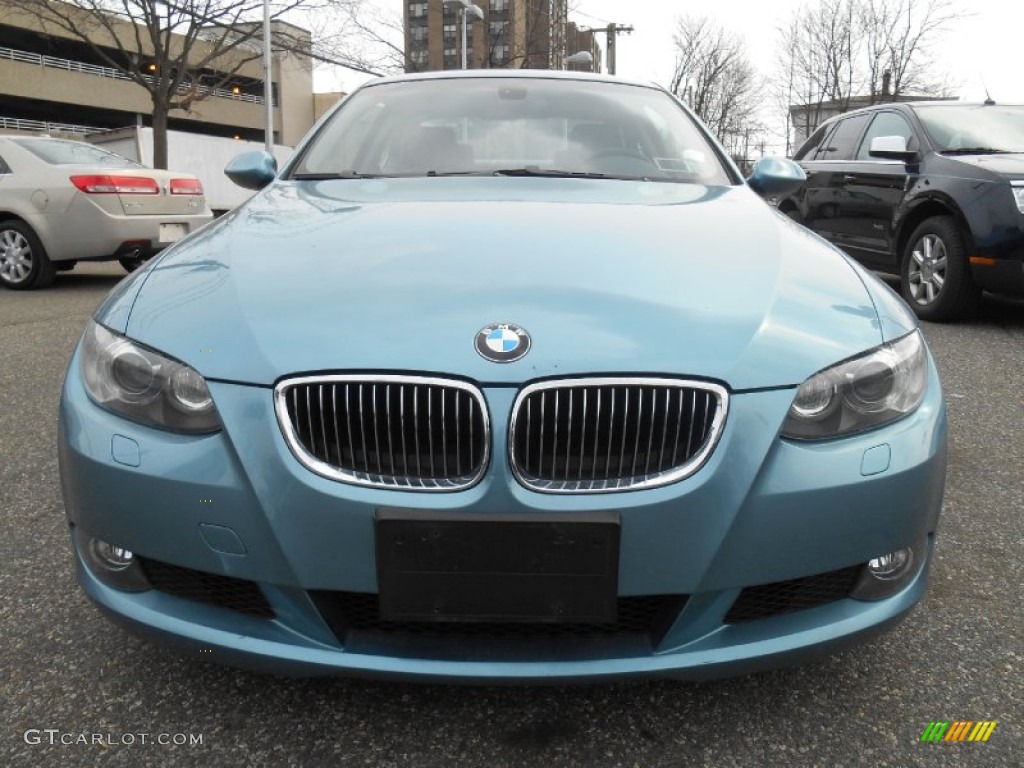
[(62, 202)]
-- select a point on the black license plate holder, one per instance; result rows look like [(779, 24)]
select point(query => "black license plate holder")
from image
[(527, 567)]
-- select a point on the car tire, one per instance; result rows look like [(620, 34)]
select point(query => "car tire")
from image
[(793, 214), (24, 264), (935, 276)]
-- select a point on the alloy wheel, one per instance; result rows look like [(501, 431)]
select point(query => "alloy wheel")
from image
[(927, 272), (15, 257)]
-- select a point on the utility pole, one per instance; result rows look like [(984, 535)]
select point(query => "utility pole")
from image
[(613, 31)]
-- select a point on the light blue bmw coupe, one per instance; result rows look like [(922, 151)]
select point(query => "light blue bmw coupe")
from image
[(505, 376)]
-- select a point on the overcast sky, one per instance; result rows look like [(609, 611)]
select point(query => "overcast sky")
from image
[(979, 50), (981, 46)]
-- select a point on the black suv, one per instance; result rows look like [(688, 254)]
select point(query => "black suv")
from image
[(932, 191)]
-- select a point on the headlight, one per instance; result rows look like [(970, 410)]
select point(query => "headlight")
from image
[(1017, 188), (873, 389), (145, 386)]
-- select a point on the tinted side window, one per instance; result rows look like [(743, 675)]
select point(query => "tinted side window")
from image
[(809, 146), (4, 168), (885, 124), (842, 144)]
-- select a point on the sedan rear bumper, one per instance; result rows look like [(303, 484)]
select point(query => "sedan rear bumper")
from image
[(85, 231)]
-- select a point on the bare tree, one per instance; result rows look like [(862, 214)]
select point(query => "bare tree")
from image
[(835, 50), (819, 57), (714, 76), (360, 35), (179, 51), (896, 36)]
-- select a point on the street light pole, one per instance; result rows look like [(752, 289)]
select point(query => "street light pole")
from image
[(268, 91), (466, 7), (465, 56)]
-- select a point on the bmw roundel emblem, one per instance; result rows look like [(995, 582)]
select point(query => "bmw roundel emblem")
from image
[(502, 342)]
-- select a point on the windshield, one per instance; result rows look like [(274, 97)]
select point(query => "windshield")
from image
[(57, 152), (966, 129), (485, 126)]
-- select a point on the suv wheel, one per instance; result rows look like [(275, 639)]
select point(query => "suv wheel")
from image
[(23, 261), (935, 275)]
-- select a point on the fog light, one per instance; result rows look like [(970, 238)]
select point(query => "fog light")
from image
[(887, 567), (115, 558), (113, 565), (887, 574)]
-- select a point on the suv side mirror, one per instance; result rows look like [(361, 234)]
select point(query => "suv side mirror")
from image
[(252, 170), (775, 176), (891, 148)]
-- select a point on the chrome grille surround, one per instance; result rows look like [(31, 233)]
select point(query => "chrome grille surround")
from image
[(662, 396), (352, 451)]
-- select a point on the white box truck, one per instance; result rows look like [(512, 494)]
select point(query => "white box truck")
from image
[(201, 155)]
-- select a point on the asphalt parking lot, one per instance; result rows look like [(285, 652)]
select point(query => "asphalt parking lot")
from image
[(959, 656)]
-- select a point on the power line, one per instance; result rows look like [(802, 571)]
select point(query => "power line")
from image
[(589, 16)]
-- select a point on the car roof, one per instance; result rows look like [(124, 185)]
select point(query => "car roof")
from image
[(512, 74), (913, 105)]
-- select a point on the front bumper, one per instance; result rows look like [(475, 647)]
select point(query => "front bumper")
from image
[(762, 510), (283, 647), (1000, 275)]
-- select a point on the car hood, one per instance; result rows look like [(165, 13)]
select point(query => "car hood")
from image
[(1011, 166), (400, 275)]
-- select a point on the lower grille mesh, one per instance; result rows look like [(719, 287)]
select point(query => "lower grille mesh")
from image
[(225, 591), (355, 620), (781, 597)]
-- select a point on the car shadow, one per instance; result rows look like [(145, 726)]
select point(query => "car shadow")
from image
[(652, 722), (88, 278), (1005, 312), (1002, 311), (83, 282)]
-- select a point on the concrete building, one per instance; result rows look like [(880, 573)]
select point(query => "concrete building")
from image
[(521, 34), (50, 81)]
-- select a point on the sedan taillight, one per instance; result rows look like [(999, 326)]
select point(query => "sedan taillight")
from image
[(116, 185), (186, 187)]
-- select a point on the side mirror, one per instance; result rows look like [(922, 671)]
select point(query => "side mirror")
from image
[(252, 170), (891, 148), (776, 176)]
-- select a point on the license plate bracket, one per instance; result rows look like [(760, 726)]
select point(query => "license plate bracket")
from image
[(170, 233), (497, 568)]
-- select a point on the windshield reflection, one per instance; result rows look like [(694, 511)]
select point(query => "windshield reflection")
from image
[(514, 127), (981, 129)]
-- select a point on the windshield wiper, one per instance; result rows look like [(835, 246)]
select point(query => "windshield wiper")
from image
[(534, 170), (335, 175), (977, 151), (529, 170)]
